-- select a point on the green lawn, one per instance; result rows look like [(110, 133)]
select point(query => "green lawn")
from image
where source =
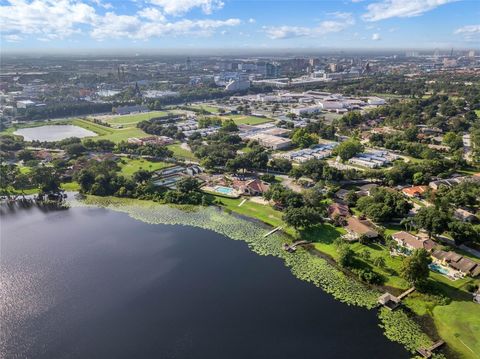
[(266, 214), (459, 324), (135, 118), (247, 120), (477, 112), (208, 108), (181, 153), (70, 186), (130, 166), (94, 127)]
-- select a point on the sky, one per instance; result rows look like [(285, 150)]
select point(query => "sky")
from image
[(237, 24)]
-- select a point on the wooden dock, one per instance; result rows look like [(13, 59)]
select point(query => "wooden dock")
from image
[(427, 352), (407, 292), (390, 301), (272, 231), (293, 247)]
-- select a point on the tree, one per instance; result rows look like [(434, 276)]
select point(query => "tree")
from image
[(22, 182), (281, 165), (187, 185), (75, 149), (462, 232), (351, 198), (346, 256), (348, 149), (431, 219), (25, 155), (453, 140), (45, 179), (8, 176), (303, 139), (142, 176), (415, 267), (303, 217)]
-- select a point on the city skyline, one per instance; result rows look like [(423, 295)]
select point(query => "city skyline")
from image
[(235, 25)]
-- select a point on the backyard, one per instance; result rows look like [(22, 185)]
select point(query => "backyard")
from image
[(129, 166)]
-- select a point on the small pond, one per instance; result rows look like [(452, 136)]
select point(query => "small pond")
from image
[(52, 133)]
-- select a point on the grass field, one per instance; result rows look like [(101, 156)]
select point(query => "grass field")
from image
[(459, 324), (132, 120), (247, 120), (130, 166), (208, 108), (107, 133), (180, 152), (477, 112)]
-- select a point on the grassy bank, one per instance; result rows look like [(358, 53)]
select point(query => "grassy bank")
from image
[(456, 322)]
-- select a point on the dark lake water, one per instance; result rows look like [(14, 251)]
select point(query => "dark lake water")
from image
[(93, 283)]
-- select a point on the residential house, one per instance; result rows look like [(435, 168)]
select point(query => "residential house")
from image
[(366, 189), (456, 261), (254, 187), (411, 242), (414, 191), (341, 194), (357, 228), (464, 215), (336, 210)]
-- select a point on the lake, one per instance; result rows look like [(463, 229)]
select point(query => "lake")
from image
[(52, 133), (94, 283)]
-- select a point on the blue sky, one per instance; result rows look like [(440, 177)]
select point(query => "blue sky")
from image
[(156, 24)]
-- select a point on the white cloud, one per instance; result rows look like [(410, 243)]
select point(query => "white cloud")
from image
[(179, 7), (102, 4), (123, 26), (376, 37), (341, 21), (469, 32), (13, 38), (48, 19), (400, 8), (152, 14), (252, 21)]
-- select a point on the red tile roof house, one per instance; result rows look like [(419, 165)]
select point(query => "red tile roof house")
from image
[(253, 187), (410, 242), (415, 191), (357, 228), (338, 210)]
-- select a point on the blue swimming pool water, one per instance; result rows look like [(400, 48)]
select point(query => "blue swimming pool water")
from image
[(439, 269), (224, 190)]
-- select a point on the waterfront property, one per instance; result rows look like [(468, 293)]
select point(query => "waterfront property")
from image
[(408, 242), (458, 265), (168, 177), (357, 228)]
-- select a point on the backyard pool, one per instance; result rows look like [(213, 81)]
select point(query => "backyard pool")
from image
[(439, 269), (225, 190)]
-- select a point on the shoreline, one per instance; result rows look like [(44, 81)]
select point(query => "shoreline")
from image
[(315, 267)]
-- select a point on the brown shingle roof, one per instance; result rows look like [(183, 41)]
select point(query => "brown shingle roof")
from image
[(360, 227), (465, 265), (338, 209), (412, 241)]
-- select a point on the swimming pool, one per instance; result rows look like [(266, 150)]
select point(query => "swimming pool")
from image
[(224, 190), (439, 269)]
